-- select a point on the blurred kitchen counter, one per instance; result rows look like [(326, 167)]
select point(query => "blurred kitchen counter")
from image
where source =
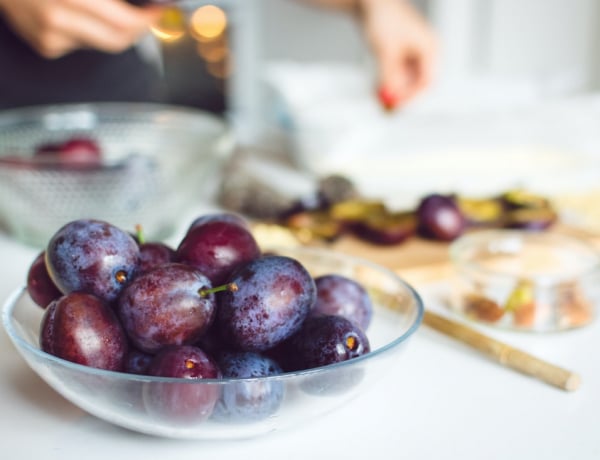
[(422, 261), (442, 400)]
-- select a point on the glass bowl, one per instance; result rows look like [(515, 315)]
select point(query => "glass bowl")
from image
[(156, 161), (119, 397), (522, 280)]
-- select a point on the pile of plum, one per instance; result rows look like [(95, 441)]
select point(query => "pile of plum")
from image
[(74, 152), (214, 307), (437, 217)]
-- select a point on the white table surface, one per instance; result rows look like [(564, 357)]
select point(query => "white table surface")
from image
[(440, 401)]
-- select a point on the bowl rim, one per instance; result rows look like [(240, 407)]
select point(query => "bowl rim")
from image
[(9, 116), (139, 111), (483, 237), (11, 303)]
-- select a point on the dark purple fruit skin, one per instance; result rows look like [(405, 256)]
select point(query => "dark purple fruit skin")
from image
[(40, 286), (342, 296), (154, 254), (211, 341), (530, 219), (217, 248), (47, 328), (394, 231), (248, 400), (83, 329), (182, 402), (439, 218), (137, 362), (230, 217), (275, 295), (92, 256), (164, 307), (322, 340)]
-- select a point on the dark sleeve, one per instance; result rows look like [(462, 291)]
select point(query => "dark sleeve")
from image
[(82, 76)]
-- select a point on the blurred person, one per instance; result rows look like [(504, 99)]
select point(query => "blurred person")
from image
[(59, 51), (403, 43)]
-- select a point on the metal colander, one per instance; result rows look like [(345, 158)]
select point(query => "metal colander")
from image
[(156, 162)]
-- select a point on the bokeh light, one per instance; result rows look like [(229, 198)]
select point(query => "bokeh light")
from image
[(172, 25), (214, 51), (220, 70), (208, 23)]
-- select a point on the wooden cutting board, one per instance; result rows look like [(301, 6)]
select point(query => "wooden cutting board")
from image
[(418, 260)]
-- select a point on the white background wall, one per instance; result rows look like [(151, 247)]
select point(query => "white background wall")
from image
[(553, 43), (529, 38)]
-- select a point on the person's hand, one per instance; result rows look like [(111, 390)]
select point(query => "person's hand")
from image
[(54, 28), (404, 46)]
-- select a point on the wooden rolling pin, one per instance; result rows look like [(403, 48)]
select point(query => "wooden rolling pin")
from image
[(504, 353)]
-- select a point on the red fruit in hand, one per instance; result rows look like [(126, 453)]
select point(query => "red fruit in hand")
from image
[(388, 99)]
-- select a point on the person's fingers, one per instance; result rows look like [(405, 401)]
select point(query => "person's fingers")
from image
[(400, 78), (111, 28), (425, 62), (404, 47), (418, 75), (49, 41), (390, 80), (403, 75), (120, 15)]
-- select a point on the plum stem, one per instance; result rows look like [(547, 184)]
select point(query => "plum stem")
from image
[(139, 232), (231, 287)]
